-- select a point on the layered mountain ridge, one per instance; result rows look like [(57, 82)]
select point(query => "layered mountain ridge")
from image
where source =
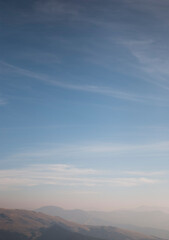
[(149, 221), (31, 225)]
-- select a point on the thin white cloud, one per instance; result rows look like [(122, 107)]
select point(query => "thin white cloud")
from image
[(2, 102), (85, 88), (146, 173), (51, 9), (155, 8), (65, 175), (93, 149), (152, 59)]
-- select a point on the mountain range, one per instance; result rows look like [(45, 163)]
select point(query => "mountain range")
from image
[(31, 225), (150, 221)]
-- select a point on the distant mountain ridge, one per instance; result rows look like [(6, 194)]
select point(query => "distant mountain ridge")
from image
[(30, 225), (150, 209), (151, 222)]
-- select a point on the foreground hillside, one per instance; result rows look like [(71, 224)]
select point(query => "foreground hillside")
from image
[(29, 225)]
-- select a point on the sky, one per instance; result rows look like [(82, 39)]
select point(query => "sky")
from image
[(84, 103)]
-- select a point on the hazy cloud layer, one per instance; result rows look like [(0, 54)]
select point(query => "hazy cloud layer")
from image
[(95, 148), (67, 175)]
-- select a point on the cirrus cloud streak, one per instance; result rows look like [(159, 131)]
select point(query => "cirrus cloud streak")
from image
[(68, 176)]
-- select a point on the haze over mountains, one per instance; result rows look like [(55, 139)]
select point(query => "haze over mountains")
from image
[(29, 225), (145, 220)]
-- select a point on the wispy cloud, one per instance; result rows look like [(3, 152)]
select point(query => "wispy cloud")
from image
[(95, 148), (55, 9), (66, 175), (3, 101), (155, 8), (152, 59), (108, 91), (39, 57), (146, 173), (54, 153)]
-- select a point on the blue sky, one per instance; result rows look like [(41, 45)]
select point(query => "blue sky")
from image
[(84, 103)]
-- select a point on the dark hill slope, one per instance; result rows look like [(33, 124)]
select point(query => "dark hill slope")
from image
[(8, 235), (57, 232)]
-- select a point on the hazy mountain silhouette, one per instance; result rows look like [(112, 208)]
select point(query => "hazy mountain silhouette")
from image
[(152, 221), (29, 225)]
